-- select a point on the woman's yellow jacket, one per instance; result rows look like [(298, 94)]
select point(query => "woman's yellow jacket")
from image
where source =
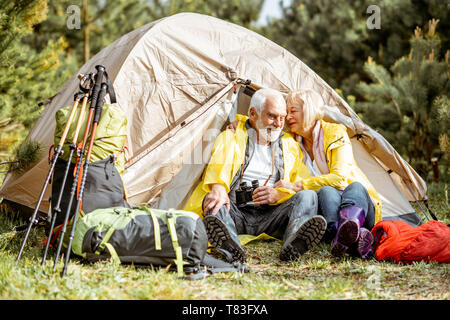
[(228, 155), (341, 164)]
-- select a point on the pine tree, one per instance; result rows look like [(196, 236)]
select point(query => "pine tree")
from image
[(326, 35), (443, 109), (89, 26), (24, 71), (40, 48), (408, 104), (332, 36), (102, 22)]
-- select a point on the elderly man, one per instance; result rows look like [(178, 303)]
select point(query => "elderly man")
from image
[(257, 154)]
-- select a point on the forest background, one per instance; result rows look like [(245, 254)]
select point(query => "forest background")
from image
[(388, 59)]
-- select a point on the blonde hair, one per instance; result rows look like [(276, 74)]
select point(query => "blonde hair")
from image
[(310, 102)]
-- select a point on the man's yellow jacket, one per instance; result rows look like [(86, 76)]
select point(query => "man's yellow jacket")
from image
[(227, 156)]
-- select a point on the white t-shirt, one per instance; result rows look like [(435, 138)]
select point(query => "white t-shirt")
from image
[(260, 166)]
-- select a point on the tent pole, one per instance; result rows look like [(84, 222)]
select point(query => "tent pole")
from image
[(417, 201), (429, 210)]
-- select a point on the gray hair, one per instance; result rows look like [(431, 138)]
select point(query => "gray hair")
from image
[(259, 99)]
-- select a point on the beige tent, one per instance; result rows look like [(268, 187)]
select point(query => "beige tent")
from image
[(175, 78)]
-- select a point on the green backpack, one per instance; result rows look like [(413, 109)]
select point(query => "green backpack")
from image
[(147, 236), (104, 186), (110, 136), (141, 236)]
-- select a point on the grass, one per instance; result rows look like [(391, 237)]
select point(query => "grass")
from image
[(315, 275)]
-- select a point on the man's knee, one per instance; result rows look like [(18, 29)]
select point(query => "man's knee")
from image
[(304, 203), (305, 196)]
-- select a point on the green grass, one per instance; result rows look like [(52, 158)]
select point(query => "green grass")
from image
[(316, 275)]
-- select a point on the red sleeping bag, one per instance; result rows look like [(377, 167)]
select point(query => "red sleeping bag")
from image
[(400, 242)]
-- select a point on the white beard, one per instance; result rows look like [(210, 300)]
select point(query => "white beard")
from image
[(267, 134)]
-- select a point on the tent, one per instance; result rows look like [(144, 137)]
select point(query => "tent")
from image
[(179, 81)]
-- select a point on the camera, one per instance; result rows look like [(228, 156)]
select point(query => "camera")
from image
[(244, 194)]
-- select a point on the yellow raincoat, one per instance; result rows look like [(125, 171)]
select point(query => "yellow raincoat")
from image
[(227, 156), (341, 164)]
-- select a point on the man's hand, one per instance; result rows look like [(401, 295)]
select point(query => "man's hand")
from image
[(297, 186), (266, 195), (216, 199)]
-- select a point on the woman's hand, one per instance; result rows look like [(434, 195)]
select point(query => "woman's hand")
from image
[(232, 126), (297, 186)]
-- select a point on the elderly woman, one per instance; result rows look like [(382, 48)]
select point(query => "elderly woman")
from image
[(347, 200)]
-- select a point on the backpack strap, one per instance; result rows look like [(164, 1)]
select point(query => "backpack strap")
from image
[(173, 235), (104, 243), (105, 240), (114, 256), (215, 265), (112, 93), (211, 265), (126, 152), (50, 153), (156, 228)]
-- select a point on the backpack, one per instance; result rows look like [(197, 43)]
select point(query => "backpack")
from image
[(104, 186), (171, 238)]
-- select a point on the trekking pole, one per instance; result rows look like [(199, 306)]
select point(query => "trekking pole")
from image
[(98, 112), (95, 93), (84, 93), (58, 151)]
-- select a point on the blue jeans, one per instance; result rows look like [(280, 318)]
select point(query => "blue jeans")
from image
[(331, 201)]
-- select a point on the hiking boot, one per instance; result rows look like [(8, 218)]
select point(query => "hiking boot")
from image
[(220, 238), (350, 221), (301, 235), (363, 246)]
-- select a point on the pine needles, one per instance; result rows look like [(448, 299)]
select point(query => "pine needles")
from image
[(24, 156)]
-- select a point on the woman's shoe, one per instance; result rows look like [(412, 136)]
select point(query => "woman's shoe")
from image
[(350, 221)]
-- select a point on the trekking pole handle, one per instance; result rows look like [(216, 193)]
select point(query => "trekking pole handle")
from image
[(85, 80), (100, 102), (98, 82)]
